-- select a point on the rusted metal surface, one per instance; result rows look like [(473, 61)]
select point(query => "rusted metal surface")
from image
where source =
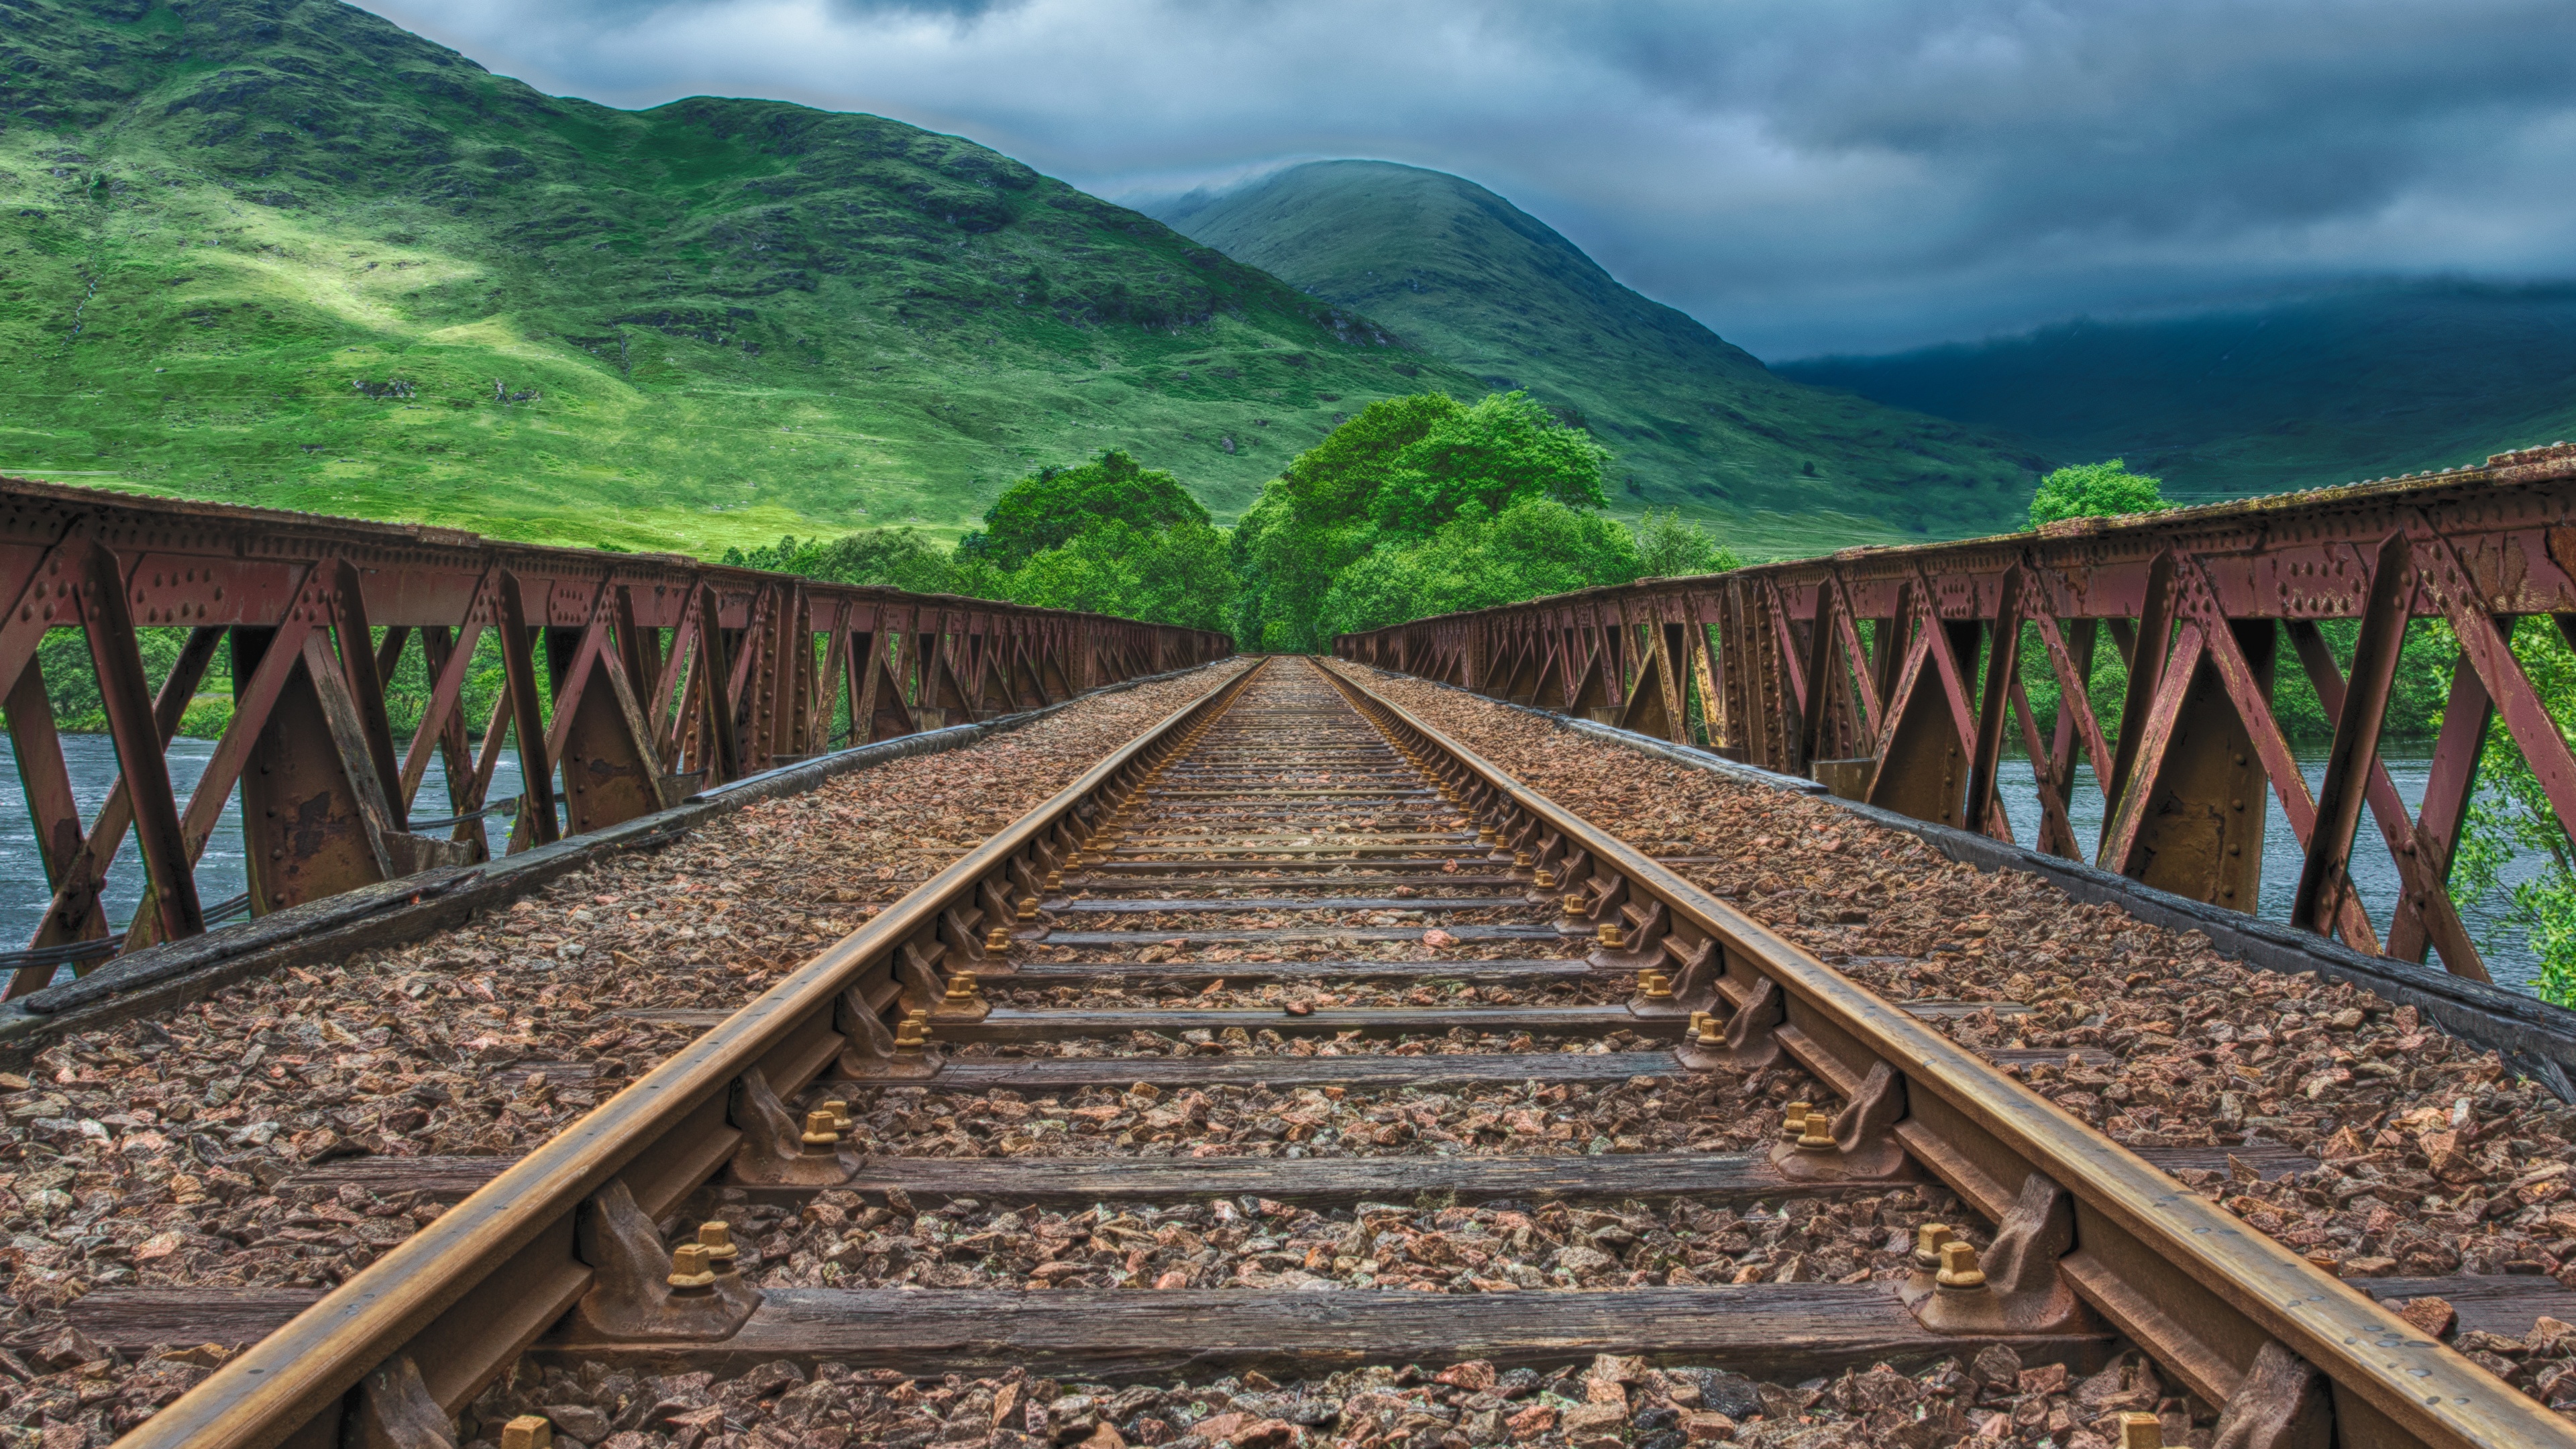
[(662, 676), (2085, 1226), (1772, 666), (469, 1291), (558, 1250)]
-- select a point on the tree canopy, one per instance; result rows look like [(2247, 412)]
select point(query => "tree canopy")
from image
[(2095, 490), (893, 558), (1423, 504), (1050, 507), (1416, 505), (1536, 546), (1504, 450)]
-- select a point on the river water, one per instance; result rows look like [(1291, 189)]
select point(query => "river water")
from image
[(2507, 952), (220, 873)]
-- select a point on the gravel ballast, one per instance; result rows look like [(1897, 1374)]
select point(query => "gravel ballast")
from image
[(148, 1154)]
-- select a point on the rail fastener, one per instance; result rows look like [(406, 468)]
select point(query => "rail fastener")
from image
[(2084, 1224)]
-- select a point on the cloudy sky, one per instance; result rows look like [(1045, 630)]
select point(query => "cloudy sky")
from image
[(1802, 175)]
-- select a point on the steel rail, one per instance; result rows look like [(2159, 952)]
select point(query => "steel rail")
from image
[(663, 677), (463, 1296), (2200, 1291), (1862, 670)]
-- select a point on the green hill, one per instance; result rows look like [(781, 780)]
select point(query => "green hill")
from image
[(283, 252), (1459, 272), (2362, 383)]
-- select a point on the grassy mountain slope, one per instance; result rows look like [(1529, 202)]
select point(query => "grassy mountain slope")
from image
[(1459, 272), (704, 324), (2323, 390)]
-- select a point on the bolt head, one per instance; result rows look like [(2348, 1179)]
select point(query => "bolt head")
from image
[(1959, 1271), (690, 1269)]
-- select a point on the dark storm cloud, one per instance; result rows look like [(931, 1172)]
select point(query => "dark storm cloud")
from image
[(1801, 174)]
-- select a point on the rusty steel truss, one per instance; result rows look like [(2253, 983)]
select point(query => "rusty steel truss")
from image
[(1866, 670), (662, 676)]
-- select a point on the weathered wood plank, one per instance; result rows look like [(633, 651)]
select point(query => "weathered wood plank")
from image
[(1315, 1181), (1061, 1074), (1158, 875), (1523, 969), (1012, 1024), (1319, 1181), (1293, 903), (440, 1177), (1111, 870), (2046, 1056), (1016, 1024), (131, 1320), (1715, 1178), (1467, 849), (1299, 933), (1287, 795), (1769, 1330), (2506, 1304)]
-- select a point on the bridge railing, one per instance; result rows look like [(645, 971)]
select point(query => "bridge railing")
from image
[(1871, 670), (662, 676)]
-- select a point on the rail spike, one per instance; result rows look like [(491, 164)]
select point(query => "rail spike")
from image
[(633, 1293), (2015, 1287), (2282, 1403), (1642, 925), (780, 1149), (393, 1409), (870, 1051), (1747, 1042), (1863, 1146)]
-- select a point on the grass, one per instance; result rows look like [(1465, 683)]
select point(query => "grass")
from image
[(711, 323), (1779, 466)]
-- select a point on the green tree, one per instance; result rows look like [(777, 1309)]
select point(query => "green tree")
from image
[(1176, 575), (1389, 479), (2095, 490), (2511, 819), (1671, 547), (1314, 519), (1166, 573), (1048, 508), (1535, 547), (1339, 477), (1501, 451)]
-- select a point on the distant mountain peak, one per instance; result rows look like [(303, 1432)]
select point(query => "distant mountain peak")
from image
[(1459, 271)]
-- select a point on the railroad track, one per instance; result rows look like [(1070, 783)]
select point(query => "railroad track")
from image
[(1291, 889)]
